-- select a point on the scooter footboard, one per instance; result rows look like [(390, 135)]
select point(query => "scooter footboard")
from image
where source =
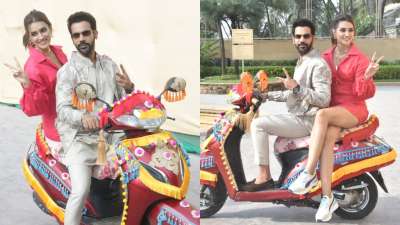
[(173, 211)]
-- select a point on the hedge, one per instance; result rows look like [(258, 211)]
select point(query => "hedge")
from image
[(208, 71), (385, 71), (289, 62)]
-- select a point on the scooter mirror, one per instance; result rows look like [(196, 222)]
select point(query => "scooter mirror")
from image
[(175, 84), (85, 91), (174, 89), (85, 96)]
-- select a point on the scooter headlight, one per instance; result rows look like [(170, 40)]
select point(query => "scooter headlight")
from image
[(143, 118)]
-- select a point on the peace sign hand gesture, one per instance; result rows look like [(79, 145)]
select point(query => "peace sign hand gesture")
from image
[(288, 81), (123, 80), (373, 67), (18, 73)]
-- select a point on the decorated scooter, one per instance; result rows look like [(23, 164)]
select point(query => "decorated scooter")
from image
[(358, 156), (153, 167)]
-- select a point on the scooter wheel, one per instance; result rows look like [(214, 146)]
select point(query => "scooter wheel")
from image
[(212, 198), (359, 202)]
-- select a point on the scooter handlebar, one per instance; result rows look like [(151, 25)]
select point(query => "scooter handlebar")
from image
[(256, 100)]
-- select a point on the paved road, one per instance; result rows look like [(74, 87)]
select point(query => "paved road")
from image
[(385, 105), (16, 205)]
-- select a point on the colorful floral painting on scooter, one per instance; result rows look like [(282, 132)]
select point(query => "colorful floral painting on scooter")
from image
[(153, 168), (359, 155)]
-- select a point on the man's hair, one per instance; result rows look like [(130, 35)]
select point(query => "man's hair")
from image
[(79, 17), (303, 23)]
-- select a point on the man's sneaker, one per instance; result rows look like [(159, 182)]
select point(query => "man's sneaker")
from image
[(304, 183), (327, 206)]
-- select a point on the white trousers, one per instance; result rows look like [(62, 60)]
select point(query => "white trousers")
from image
[(80, 181), (285, 125), (81, 163)]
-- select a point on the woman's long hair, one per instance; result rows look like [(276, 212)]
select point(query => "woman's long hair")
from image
[(31, 17)]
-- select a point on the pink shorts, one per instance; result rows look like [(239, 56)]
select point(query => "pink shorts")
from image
[(359, 110)]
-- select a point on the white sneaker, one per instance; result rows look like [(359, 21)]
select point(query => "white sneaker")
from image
[(304, 183), (327, 206)]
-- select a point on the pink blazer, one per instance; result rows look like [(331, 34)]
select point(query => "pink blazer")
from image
[(39, 97), (348, 83), (349, 87)]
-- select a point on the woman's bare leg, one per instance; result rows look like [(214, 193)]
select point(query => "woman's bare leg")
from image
[(326, 159), (334, 116)]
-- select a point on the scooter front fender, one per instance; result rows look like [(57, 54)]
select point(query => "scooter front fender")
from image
[(173, 211), (57, 211)]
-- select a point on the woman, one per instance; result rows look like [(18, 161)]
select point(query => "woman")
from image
[(352, 84), (38, 78)]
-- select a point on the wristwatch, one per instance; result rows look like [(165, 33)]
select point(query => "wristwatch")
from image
[(296, 90)]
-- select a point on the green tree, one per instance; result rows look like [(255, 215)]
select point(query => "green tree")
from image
[(229, 14), (275, 22), (364, 22), (211, 16), (268, 18), (208, 52)]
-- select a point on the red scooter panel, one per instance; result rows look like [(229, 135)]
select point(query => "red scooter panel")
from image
[(174, 212)]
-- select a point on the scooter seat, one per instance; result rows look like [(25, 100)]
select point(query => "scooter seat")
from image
[(360, 132), (355, 134), (283, 144)]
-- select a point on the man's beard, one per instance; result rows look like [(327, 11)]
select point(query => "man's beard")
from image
[(85, 48), (303, 48)]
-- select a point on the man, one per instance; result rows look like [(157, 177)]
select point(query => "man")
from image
[(308, 91), (78, 128)]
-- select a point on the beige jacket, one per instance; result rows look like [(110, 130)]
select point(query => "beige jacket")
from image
[(314, 77), (102, 76)]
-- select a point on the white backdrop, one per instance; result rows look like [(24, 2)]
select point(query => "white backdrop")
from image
[(152, 39)]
